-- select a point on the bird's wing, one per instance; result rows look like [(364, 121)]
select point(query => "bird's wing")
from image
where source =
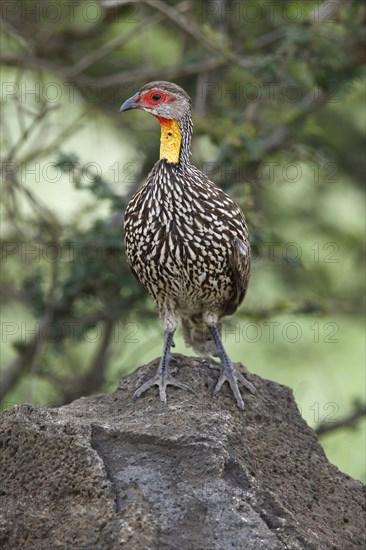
[(240, 264)]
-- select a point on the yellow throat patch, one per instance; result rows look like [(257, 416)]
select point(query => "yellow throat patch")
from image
[(170, 140)]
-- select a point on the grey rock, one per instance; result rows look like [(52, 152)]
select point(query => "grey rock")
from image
[(107, 472)]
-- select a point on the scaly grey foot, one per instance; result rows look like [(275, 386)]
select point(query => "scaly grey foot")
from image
[(162, 380), (230, 375)]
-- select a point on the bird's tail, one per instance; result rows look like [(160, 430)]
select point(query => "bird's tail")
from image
[(197, 335)]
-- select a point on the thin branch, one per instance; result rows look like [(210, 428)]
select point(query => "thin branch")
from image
[(118, 41), (167, 73), (346, 422), (192, 29), (13, 32), (26, 60), (28, 357), (41, 208), (11, 374), (48, 316), (268, 38), (68, 131), (188, 26), (93, 379), (28, 131), (279, 136)]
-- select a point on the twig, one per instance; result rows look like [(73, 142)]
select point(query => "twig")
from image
[(69, 130), (28, 130), (269, 37), (95, 375), (118, 41), (42, 210), (192, 29), (13, 32), (48, 317), (346, 422), (11, 374), (27, 60), (167, 73), (279, 136)]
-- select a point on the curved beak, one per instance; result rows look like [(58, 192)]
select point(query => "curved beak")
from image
[(130, 103)]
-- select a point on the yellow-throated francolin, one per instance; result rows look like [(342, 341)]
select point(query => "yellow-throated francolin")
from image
[(186, 241)]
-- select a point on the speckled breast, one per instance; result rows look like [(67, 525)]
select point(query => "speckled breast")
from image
[(179, 230)]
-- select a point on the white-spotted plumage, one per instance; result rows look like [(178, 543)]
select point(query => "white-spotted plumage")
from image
[(186, 253)]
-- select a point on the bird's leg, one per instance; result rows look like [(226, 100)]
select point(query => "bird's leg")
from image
[(163, 378), (228, 372), (172, 358)]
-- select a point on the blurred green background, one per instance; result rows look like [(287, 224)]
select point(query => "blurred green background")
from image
[(278, 95)]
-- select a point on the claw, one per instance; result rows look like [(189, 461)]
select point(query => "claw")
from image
[(231, 376), (162, 381), (163, 377), (246, 383), (228, 373)]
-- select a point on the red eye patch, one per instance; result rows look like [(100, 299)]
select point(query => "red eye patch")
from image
[(155, 97)]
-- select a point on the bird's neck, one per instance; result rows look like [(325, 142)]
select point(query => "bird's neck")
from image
[(170, 140), (175, 140)]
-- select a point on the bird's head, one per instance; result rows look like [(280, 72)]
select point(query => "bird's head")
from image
[(164, 100), (171, 105)]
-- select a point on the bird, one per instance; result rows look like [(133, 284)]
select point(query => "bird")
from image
[(187, 242)]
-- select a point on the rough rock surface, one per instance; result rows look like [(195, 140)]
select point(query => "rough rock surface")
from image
[(107, 472)]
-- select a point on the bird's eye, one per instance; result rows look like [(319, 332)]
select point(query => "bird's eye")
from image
[(156, 97)]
